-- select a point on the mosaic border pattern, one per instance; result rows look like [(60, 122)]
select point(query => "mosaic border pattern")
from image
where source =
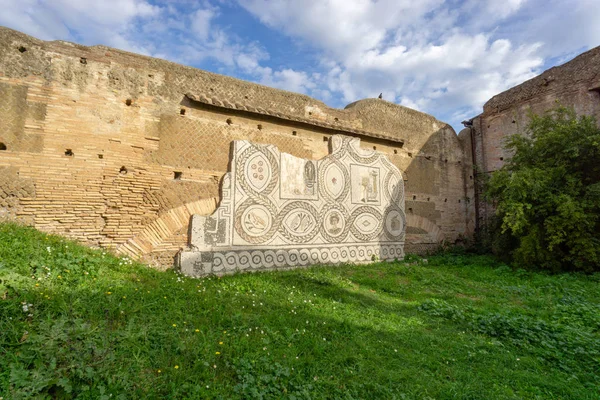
[(352, 199)]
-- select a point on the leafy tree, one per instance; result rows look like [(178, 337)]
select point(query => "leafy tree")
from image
[(547, 196)]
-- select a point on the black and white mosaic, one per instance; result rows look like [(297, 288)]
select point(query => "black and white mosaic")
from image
[(346, 207)]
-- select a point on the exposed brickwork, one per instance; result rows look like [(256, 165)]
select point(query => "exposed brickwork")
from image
[(574, 84), (121, 150)]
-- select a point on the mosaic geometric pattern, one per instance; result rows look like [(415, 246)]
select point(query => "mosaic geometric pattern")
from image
[(278, 211)]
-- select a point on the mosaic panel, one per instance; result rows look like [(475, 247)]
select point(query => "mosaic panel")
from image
[(280, 211)]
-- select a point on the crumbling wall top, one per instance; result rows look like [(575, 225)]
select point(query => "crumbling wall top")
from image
[(143, 75), (580, 69)]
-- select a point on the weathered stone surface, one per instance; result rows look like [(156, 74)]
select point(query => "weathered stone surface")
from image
[(278, 210), (120, 150), (574, 84)]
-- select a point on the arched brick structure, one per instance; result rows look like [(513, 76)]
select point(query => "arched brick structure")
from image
[(115, 151)]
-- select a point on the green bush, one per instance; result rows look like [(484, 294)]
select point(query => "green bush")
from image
[(547, 196)]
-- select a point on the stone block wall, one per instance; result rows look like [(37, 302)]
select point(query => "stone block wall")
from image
[(118, 150)]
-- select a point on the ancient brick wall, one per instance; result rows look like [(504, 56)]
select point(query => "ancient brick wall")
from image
[(118, 150), (574, 84)]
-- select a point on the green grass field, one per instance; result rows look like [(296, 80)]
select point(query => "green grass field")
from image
[(81, 323)]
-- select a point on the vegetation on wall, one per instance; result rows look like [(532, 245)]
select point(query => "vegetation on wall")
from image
[(547, 196), (82, 323)]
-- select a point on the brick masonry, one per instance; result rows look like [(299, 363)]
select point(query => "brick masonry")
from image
[(574, 84), (118, 150)]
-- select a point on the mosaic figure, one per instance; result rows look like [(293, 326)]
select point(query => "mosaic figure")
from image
[(279, 211)]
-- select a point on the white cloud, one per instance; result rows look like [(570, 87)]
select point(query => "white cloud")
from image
[(107, 22), (288, 79), (201, 20), (444, 57)]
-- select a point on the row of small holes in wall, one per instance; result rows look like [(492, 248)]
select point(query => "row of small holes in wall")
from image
[(69, 153), (429, 199), (23, 49), (230, 121)]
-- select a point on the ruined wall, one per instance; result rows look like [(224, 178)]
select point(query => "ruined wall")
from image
[(574, 84), (119, 150)]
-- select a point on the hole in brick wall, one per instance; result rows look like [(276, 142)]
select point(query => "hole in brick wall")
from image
[(69, 152), (325, 139), (182, 111), (410, 209), (459, 162), (101, 156), (501, 158), (310, 113), (150, 76), (123, 170), (2, 146), (83, 60), (128, 102), (245, 97), (374, 147), (428, 157), (414, 197), (446, 160), (229, 121), (445, 200), (259, 126), (410, 155), (459, 200), (470, 176), (336, 119), (514, 122), (428, 199), (177, 175), (395, 151), (22, 49), (294, 133)]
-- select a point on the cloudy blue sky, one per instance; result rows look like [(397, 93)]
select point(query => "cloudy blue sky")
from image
[(443, 57)]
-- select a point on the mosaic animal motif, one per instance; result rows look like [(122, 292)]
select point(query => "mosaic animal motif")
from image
[(346, 207)]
